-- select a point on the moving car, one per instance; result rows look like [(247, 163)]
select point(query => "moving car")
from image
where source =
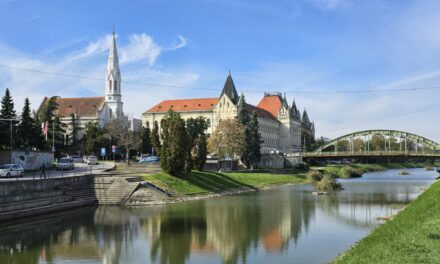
[(149, 159), (11, 170), (65, 164), (92, 160)]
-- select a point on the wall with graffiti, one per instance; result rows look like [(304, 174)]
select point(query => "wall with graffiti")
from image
[(30, 160)]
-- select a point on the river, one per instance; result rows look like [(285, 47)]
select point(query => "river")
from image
[(282, 225)]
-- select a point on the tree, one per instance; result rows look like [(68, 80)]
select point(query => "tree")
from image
[(7, 112), (26, 128), (255, 140), (146, 139), (73, 142), (244, 119), (95, 138), (119, 130), (48, 114), (377, 143), (174, 151), (196, 129), (155, 139), (228, 140)]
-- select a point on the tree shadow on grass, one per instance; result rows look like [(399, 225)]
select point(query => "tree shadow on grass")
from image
[(214, 182)]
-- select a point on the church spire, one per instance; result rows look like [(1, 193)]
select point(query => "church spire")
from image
[(113, 78), (229, 89)]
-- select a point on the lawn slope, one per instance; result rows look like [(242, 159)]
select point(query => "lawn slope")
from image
[(413, 236)]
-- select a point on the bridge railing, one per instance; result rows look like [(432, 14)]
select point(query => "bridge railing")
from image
[(372, 153)]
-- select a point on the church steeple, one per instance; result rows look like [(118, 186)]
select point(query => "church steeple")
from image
[(113, 79), (229, 89)]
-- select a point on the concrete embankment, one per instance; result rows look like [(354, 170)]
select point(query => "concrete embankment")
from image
[(28, 198)]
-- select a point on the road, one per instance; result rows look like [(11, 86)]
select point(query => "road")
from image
[(81, 169)]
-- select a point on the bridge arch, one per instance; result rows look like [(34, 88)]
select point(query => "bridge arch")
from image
[(404, 139)]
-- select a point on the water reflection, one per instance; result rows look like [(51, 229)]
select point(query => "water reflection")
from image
[(281, 225)]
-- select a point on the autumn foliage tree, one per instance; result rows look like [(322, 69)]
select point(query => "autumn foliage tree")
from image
[(228, 140)]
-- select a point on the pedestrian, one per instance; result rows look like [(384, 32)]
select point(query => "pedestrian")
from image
[(43, 172)]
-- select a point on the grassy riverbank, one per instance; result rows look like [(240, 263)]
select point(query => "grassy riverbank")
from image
[(413, 236), (205, 182), (356, 170)]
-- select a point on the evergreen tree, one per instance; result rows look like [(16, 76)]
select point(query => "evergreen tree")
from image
[(255, 146), (174, 149), (155, 139), (197, 145), (244, 119), (146, 139), (37, 139), (94, 139), (7, 112), (73, 143), (26, 128)]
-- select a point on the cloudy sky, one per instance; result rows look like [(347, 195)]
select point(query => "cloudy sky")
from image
[(352, 64)]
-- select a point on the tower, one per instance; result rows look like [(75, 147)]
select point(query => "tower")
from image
[(113, 82)]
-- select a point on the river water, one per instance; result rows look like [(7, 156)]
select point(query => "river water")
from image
[(283, 225)]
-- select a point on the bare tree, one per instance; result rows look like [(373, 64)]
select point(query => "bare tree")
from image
[(119, 130)]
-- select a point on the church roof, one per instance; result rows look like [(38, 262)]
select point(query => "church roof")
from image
[(81, 106), (182, 105), (271, 103), (229, 90)]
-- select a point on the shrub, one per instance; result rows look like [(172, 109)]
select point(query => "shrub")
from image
[(429, 168), (314, 176), (328, 184), (349, 172), (404, 172)]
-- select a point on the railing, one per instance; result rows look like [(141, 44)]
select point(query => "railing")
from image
[(372, 153)]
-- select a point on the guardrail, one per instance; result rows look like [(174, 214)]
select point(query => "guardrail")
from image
[(371, 153)]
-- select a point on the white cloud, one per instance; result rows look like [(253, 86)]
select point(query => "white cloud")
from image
[(141, 48), (182, 43), (91, 61)]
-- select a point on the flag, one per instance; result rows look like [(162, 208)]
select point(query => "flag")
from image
[(45, 129)]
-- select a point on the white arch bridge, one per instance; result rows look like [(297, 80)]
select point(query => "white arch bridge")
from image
[(378, 143)]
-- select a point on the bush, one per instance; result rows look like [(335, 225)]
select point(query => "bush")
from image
[(404, 172), (429, 168), (314, 176), (328, 184), (349, 172)]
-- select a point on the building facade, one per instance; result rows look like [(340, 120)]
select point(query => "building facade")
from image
[(280, 124)]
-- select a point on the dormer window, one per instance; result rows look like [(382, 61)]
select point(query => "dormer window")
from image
[(200, 105), (185, 106)]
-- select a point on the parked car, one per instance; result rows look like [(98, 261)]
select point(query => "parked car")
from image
[(11, 170), (77, 159), (65, 164), (92, 160), (149, 159), (85, 158)]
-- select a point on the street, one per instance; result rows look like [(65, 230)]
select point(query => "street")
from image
[(81, 169)]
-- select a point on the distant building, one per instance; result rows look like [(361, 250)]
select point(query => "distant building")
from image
[(100, 109), (280, 125)]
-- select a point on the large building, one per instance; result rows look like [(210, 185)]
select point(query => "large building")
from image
[(100, 109), (280, 124)]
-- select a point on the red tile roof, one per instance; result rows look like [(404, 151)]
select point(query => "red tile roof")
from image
[(271, 103), (81, 106), (182, 105), (260, 112)]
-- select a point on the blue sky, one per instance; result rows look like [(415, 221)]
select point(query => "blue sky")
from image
[(291, 46)]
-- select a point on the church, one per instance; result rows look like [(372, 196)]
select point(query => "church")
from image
[(280, 124), (100, 109)]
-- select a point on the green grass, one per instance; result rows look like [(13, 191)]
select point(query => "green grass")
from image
[(355, 170), (198, 182), (413, 236)]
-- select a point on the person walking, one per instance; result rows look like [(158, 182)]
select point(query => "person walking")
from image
[(43, 172)]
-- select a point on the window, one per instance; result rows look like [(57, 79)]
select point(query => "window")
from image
[(109, 85), (208, 122), (116, 86)]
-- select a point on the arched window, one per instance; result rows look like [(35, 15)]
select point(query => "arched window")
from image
[(109, 85), (116, 86), (110, 113)]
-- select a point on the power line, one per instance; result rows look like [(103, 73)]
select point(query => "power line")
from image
[(382, 120), (215, 89)]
